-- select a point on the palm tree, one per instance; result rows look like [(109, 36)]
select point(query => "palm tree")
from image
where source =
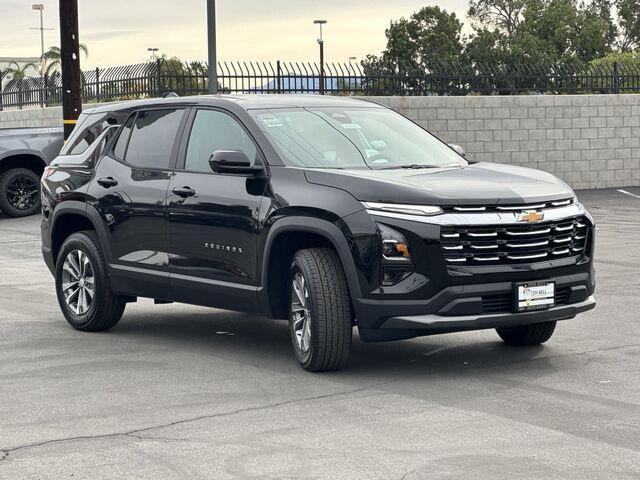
[(18, 73), (52, 59)]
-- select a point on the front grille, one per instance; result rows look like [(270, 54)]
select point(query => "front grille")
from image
[(504, 302), (508, 207), (507, 244)]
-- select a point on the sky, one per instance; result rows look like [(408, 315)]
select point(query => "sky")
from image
[(119, 32)]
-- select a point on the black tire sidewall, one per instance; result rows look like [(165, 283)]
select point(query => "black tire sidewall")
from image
[(82, 242), (303, 357), (5, 206)]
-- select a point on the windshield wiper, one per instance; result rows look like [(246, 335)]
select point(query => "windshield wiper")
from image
[(415, 166)]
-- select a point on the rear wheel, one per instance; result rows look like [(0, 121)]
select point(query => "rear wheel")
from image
[(82, 285), (19, 192), (320, 311), (533, 334)]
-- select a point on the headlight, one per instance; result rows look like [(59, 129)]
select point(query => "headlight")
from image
[(396, 262), (394, 246), (422, 210)]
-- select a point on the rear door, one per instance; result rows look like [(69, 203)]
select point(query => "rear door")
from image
[(129, 189), (213, 217)]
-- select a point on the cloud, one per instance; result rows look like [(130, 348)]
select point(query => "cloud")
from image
[(109, 35)]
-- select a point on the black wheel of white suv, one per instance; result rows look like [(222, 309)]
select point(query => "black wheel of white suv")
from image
[(320, 310), (20, 192), (533, 334), (82, 285)]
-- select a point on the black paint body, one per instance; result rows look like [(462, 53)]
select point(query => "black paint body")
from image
[(226, 245)]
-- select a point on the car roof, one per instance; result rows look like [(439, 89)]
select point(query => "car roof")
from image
[(247, 102)]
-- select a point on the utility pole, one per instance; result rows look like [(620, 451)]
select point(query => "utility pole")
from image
[(321, 43), (70, 63), (211, 37)]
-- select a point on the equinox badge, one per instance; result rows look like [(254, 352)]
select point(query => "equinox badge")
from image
[(530, 216)]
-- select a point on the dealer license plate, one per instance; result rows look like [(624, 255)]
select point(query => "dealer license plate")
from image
[(534, 295)]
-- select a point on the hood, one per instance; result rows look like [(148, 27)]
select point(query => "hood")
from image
[(480, 183)]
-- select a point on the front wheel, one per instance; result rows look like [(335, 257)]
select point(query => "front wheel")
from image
[(533, 334), (320, 312), (19, 192)]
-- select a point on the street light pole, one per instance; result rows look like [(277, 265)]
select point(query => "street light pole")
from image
[(39, 7), (153, 51), (321, 43), (211, 36), (351, 59), (70, 63)]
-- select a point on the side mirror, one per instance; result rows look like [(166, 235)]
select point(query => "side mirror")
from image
[(458, 149), (232, 161)]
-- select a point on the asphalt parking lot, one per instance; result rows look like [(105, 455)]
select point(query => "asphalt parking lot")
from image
[(176, 391)]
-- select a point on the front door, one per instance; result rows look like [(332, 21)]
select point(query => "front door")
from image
[(129, 190), (214, 218)]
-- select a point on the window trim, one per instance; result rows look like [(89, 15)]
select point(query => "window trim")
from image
[(176, 141), (77, 131), (184, 143), (112, 148)]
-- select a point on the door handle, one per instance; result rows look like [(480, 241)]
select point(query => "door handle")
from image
[(107, 182), (184, 192)]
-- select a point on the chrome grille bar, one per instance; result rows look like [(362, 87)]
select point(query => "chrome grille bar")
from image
[(528, 232), (500, 244)]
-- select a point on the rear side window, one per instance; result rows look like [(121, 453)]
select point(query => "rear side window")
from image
[(151, 139), (89, 128), (73, 138)]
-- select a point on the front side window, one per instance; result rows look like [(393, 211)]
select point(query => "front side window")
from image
[(213, 130), (123, 139), (352, 138), (152, 137)]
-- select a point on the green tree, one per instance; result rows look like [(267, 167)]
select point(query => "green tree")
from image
[(503, 15), (18, 72), (618, 65), (425, 42), (52, 59), (629, 21), (428, 37), (595, 32)]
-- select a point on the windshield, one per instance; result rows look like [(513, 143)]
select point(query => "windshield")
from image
[(352, 138)]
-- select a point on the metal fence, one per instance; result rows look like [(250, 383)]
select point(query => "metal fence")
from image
[(157, 78)]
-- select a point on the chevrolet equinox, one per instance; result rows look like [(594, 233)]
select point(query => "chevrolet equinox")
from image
[(329, 212)]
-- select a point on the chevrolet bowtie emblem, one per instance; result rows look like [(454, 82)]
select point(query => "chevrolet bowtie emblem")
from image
[(530, 216)]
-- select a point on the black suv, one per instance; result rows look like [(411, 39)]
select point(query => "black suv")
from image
[(330, 212)]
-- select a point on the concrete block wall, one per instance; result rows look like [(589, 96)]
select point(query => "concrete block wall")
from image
[(33, 117), (590, 141)]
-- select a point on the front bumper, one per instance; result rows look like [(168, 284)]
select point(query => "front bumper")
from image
[(462, 307), (402, 327), (441, 297)]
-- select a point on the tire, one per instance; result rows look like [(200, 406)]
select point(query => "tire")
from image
[(20, 192), (322, 342), (104, 309), (533, 334)]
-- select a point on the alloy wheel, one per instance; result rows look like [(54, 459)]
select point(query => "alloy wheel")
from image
[(22, 192), (78, 283), (300, 312)]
